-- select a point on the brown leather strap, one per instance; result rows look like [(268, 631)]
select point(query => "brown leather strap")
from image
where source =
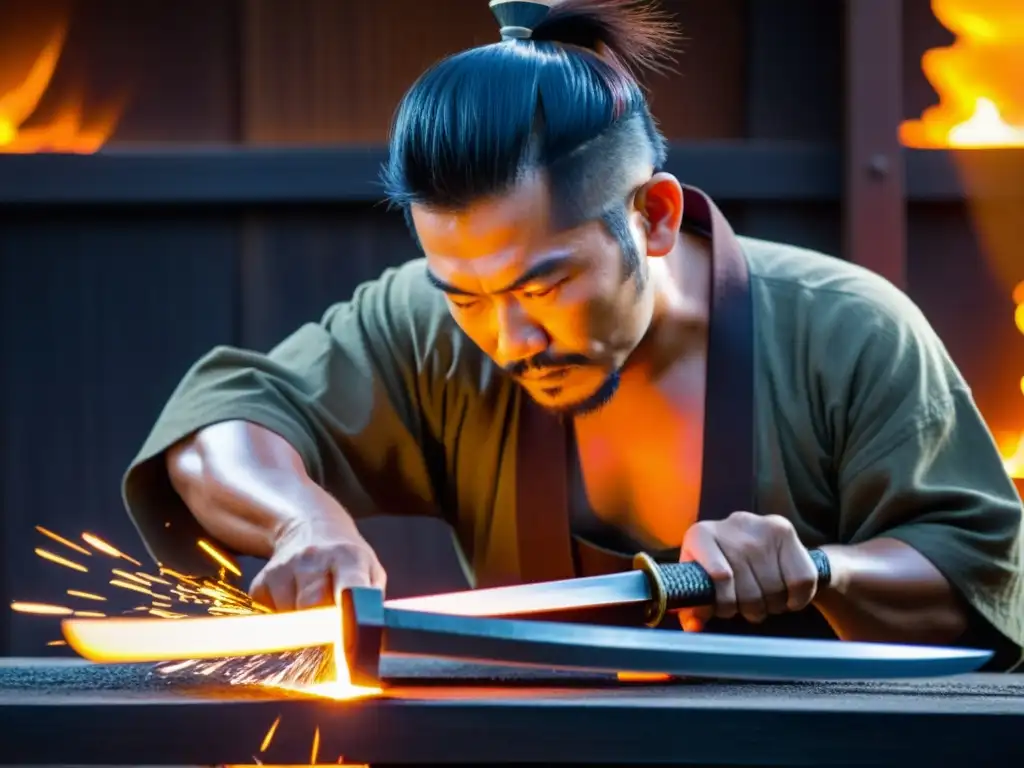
[(542, 496), (727, 475)]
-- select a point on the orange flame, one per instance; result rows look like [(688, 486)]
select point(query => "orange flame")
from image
[(67, 132), (977, 79)]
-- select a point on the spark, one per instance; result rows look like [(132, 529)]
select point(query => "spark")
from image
[(270, 734), (86, 595), (129, 585), (56, 642), (108, 549), (62, 540), (129, 577), (150, 577), (43, 609), (316, 747), (90, 614), (46, 555), (220, 558), (174, 574)]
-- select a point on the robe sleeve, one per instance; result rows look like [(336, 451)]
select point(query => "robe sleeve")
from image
[(918, 464), (357, 395)]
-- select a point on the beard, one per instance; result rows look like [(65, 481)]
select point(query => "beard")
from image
[(593, 402), (549, 362)]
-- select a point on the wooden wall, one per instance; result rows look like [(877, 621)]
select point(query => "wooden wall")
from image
[(102, 308)]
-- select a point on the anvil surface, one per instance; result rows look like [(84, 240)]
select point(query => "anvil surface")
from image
[(73, 713)]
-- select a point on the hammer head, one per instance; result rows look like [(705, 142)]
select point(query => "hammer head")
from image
[(362, 617)]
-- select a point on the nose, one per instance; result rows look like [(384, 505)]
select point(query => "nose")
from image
[(519, 336)]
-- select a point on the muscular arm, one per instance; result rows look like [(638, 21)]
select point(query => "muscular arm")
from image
[(247, 486), (885, 591), (340, 414)]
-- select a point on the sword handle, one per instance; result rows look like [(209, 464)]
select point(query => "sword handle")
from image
[(687, 585)]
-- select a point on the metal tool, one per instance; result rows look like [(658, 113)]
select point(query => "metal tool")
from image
[(368, 626), (371, 628), (365, 628)]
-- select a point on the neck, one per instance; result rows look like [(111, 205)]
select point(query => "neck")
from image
[(681, 285)]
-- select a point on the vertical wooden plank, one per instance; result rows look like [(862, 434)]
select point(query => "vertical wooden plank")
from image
[(874, 215), (330, 71), (793, 93), (793, 70), (703, 98)]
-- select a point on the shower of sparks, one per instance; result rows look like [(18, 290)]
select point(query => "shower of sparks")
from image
[(174, 595)]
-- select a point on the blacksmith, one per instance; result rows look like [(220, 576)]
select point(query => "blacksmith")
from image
[(588, 362)]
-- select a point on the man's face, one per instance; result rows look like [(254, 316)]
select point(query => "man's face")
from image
[(552, 306)]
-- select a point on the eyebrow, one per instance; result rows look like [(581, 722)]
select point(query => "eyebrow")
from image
[(539, 270)]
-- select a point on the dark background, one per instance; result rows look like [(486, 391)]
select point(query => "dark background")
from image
[(236, 201)]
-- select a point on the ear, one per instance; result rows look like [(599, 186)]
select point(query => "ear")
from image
[(660, 202)]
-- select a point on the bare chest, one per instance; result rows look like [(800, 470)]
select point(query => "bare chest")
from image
[(640, 468)]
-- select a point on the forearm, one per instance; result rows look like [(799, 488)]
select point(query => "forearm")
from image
[(245, 485), (885, 591)]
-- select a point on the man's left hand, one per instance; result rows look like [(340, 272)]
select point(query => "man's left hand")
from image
[(758, 566)]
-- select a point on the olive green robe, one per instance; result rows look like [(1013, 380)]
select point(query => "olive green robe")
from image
[(861, 424)]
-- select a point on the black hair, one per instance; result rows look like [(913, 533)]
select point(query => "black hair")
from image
[(566, 101)]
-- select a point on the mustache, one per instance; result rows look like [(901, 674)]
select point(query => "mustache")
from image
[(546, 360)]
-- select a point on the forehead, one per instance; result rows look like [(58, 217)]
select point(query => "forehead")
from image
[(490, 238), (519, 216)]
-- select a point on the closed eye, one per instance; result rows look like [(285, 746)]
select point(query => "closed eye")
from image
[(541, 292)]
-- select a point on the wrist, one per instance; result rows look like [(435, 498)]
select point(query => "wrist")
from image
[(307, 510), (842, 564)]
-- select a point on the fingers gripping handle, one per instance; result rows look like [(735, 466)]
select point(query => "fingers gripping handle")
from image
[(687, 585)]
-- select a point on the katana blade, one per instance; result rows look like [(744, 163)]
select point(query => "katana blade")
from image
[(626, 588), (372, 629)]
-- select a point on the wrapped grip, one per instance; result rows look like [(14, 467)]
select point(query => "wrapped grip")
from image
[(687, 585)]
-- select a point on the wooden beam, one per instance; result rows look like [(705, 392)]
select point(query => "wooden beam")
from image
[(874, 211)]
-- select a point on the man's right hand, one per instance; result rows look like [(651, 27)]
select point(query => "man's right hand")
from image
[(312, 562)]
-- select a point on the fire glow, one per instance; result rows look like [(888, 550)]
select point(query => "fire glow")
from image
[(977, 79), (981, 107), (1014, 454), (68, 131)]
